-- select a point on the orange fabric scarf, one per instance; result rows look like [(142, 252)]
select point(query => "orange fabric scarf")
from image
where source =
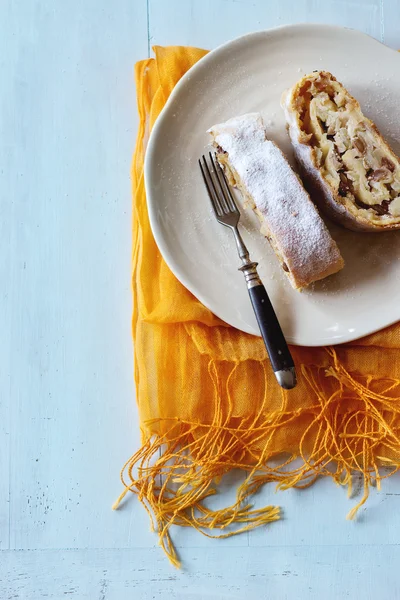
[(208, 400)]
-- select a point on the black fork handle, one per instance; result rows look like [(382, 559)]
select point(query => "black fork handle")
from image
[(271, 331)]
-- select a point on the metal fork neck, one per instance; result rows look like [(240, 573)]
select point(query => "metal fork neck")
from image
[(248, 268), (241, 247)]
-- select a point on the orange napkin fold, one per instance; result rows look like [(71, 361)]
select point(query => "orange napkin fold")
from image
[(208, 400)]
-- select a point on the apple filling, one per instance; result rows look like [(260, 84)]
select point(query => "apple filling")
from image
[(349, 151)]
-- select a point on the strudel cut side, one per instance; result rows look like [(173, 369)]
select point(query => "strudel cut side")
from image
[(349, 169)]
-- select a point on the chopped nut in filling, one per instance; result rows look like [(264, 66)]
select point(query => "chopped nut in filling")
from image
[(350, 153)]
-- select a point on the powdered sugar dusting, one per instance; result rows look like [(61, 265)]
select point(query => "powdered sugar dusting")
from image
[(303, 240)]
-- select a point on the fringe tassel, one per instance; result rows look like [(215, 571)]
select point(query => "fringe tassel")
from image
[(174, 473), (173, 486)]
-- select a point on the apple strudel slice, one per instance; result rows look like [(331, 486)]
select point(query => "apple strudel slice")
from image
[(290, 221), (349, 169)]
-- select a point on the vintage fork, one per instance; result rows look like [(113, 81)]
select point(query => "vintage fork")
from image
[(227, 214)]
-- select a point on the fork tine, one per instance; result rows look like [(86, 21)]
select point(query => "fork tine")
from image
[(218, 196), (226, 189), (212, 192), (221, 195), (207, 187)]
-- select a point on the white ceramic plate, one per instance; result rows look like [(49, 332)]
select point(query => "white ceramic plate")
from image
[(245, 75)]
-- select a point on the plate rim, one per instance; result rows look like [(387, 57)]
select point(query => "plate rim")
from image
[(152, 143)]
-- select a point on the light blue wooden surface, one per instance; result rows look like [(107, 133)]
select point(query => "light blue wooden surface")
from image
[(67, 414)]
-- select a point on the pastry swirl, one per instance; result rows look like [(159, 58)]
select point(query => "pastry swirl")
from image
[(349, 169)]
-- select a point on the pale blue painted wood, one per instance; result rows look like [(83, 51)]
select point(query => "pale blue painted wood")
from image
[(391, 23), (67, 415), (280, 573), (209, 23), (67, 134)]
